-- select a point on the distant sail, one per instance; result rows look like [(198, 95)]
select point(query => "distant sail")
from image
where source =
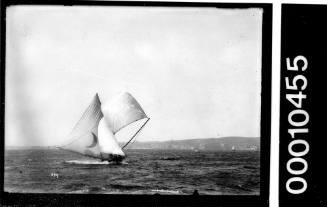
[(123, 111), (83, 137)]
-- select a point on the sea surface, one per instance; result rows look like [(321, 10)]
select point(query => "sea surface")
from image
[(142, 172)]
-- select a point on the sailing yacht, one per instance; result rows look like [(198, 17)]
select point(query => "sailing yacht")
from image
[(94, 134)]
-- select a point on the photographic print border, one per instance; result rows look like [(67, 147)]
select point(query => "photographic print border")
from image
[(126, 200)]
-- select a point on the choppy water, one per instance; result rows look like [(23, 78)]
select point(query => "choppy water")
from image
[(143, 172)]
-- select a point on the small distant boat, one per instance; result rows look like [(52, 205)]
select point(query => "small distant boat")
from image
[(94, 133), (233, 148)]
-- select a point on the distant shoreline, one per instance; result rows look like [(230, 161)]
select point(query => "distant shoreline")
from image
[(204, 144)]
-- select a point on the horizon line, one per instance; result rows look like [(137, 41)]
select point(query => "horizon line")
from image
[(142, 141)]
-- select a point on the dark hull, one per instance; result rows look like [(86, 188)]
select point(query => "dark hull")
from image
[(111, 157)]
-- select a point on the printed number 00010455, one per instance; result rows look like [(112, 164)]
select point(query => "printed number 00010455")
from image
[(298, 119)]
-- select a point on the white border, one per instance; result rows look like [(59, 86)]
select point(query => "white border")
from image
[(275, 104)]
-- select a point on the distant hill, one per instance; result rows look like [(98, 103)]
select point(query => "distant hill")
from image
[(207, 144), (216, 144)]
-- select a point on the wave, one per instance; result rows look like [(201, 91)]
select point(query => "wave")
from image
[(82, 191), (250, 167), (239, 187), (9, 167), (170, 158), (92, 162), (216, 173), (125, 187), (166, 191)]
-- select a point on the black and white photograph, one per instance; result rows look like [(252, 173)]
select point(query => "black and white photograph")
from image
[(137, 100)]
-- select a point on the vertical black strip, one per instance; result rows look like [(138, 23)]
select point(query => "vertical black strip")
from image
[(303, 33), (266, 103), (2, 91)]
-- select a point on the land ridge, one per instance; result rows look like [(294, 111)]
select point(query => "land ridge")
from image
[(217, 144)]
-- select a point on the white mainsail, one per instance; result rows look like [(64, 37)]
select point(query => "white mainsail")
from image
[(94, 133)]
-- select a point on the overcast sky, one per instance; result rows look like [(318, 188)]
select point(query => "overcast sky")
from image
[(195, 71)]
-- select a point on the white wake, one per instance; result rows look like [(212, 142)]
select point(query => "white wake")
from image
[(92, 162)]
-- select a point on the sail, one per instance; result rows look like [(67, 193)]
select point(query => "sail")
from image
[(123, 111), (94, 133), (107, 141), (83, 137), (86, 145)]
